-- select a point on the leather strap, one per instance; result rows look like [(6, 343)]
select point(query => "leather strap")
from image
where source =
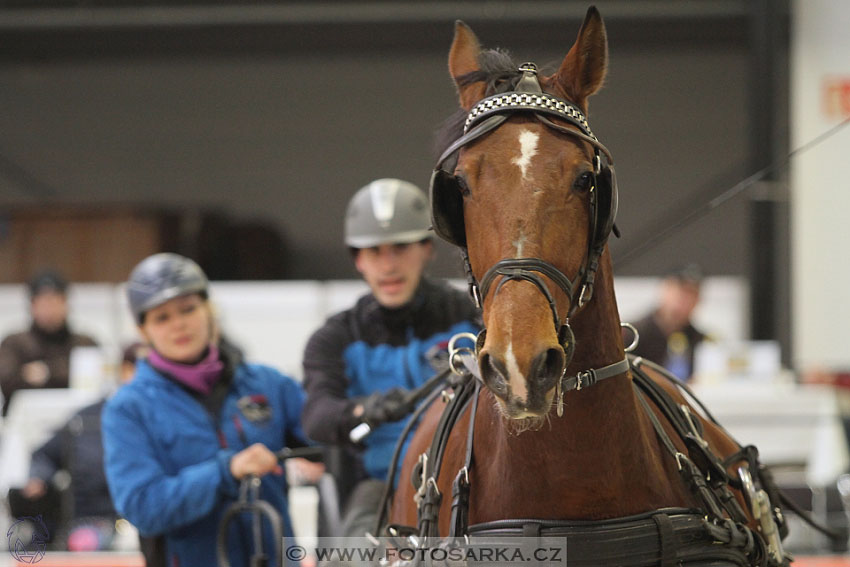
[(523, 269), (666, 540), (431, 497), (488, 125), (459, 522), (685, 537), (690, 473), (591, 376), (389, 488), (701, 469)]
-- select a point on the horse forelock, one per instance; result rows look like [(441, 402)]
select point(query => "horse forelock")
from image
[(498, 70)]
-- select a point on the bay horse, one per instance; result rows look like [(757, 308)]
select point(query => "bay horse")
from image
[(567, 433)]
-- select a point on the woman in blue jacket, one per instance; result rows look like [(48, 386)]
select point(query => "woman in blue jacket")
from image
[(194, 421)]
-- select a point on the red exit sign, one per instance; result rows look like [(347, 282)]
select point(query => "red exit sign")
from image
[(836, 97)]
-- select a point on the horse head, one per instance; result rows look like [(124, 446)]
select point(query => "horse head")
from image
[(528, 192)]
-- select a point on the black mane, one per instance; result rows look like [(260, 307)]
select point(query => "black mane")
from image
[(499, 72)]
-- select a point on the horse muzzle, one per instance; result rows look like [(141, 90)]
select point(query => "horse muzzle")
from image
[(522, 394)]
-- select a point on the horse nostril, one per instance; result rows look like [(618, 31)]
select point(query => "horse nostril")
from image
[(555, 362), (548, 367), (494, 374)]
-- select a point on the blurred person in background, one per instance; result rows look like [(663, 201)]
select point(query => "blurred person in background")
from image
[(132, 354), (87, 513), (195, 420), (666, 335), (40, 356), (360, 365)]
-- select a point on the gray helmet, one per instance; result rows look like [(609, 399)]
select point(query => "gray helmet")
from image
[(387, 211), (160, 278)]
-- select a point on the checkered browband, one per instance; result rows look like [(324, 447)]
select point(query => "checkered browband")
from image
[(534, 102)]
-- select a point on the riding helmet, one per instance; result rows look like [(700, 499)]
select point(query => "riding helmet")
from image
[(160, 278), (387, 211)]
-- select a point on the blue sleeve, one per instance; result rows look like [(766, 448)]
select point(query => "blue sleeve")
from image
[(142, 492), (293, 404)]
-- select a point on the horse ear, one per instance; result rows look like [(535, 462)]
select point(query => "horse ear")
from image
[(583, 70), (463, 60)]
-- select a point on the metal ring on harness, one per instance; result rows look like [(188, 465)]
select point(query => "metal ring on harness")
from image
[(455, 363), (636, 334)]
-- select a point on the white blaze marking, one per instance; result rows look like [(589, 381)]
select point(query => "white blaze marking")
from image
[(527, 149), (519, 244), (515, 377)]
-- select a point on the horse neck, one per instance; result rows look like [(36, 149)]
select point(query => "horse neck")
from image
[(597, 325), (599, 343), (610, 404)]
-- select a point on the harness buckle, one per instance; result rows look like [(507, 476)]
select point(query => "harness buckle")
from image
[(686, 412), (420, 491), (432, 483), (475, 292), (585, 378), (465, 471), (584, 296), (559, 395)]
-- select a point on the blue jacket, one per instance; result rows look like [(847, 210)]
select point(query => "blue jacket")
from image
[(368, 349), (167, 458)]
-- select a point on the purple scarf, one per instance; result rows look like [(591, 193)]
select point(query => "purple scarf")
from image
[(199, 377)]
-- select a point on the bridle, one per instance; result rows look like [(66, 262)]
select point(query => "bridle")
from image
[(447, 212)]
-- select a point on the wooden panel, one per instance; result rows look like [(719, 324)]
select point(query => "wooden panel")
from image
[(85, 246)]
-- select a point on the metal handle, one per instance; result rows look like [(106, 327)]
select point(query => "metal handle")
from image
[(360, 432)]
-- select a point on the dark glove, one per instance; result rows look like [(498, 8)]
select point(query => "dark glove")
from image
[(385, 407)]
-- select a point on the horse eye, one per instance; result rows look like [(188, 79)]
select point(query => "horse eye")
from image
[(584, 182), (462, 186)]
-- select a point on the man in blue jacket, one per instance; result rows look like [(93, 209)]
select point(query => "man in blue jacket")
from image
[(194, 422), (360, 365)]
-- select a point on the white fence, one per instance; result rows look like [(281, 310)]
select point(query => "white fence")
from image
[(272, 321)]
